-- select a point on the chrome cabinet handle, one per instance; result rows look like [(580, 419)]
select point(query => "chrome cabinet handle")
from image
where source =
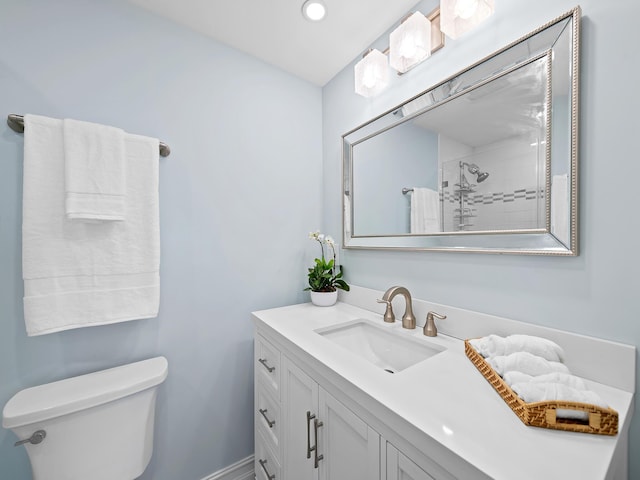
[(309, 447), (263, 361), (271, 423), (36, 438), (317, 458), (263, 464)]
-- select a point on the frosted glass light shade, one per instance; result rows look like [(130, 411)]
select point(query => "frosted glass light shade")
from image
[(371, 74), (410, 43), (460, 16)]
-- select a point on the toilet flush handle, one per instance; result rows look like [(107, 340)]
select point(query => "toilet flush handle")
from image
[(36, 438)]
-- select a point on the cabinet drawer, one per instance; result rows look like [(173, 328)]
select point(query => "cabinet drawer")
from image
[(266, 466), (401, 467), (267, 365), (267, 418)]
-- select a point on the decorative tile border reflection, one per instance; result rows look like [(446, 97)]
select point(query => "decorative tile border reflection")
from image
[(494, 197)]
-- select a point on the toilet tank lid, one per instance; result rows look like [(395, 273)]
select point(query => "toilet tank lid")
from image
[(66, 396)]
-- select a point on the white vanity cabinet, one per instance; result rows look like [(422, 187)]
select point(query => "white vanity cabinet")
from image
[(323, 439), (323, 411), (302, 432), (267, 415)]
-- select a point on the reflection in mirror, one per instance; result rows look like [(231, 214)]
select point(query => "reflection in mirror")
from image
[(485, 161)]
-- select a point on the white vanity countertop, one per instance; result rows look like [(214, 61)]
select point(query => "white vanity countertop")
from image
[(447, 399)]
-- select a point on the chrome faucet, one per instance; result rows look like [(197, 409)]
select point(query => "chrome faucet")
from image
[(408, 319)]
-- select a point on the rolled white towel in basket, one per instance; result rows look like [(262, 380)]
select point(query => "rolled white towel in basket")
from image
[(494, 345), (562, 378), (525, 362), (532, 392), (512, 377)]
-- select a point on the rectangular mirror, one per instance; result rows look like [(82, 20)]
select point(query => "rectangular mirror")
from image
[(485, 161)]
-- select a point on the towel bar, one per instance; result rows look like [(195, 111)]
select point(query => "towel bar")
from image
[(16, 123)]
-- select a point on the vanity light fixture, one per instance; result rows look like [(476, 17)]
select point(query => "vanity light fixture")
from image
[(314, 10), (371, 73), (417, 37), (460, 16), (414, 40), (410, 43)]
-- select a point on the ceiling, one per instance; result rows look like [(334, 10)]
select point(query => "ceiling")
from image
[(276, 32), (510, 105)]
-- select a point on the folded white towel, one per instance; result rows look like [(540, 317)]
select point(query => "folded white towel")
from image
[(561, 378), (525, 362), (493, 345), (79, 274), (513, 377), (94, 166), (539, 392)]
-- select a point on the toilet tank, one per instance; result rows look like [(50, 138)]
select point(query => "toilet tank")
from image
[(98, 426)]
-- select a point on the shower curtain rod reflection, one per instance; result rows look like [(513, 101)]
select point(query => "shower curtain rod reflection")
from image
[(16, 123)]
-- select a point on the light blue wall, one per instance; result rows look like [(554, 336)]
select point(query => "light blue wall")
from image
[(595, 293), (402, 157), (239, 194)]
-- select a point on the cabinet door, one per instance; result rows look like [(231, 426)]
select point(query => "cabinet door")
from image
[(299, 396), (399, 467), (350, 449)]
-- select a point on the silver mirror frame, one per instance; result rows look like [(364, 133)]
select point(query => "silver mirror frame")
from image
[(523, 242)]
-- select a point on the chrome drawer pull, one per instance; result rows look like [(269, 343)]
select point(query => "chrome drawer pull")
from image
[(263, 464), (263, 361), (271, 423), (309, 447), (317, 458)]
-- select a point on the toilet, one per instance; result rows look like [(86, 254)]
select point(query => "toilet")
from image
[(97, 426)]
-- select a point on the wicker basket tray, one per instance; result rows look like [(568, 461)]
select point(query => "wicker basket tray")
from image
[(602, 421)]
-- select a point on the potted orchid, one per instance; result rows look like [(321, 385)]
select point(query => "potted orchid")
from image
[(325, 277)]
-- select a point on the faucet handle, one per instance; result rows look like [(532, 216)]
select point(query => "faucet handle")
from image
[(389, 317), (430, 329)]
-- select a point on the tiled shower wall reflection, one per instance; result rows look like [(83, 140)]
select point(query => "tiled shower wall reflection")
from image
[(517, 209), (511, 198)]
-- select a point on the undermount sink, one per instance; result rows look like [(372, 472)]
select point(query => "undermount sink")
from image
[(383, 347)]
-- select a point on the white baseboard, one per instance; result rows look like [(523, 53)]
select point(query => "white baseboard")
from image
[(241, 470)]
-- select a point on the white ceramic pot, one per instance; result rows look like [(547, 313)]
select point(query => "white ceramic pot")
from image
[(324, 299)]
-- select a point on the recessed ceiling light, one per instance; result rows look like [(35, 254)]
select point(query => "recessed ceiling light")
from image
[(314, 10)]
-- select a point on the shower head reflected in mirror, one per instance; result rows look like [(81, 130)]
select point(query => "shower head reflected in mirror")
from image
[(482, 176), (475, 170)]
